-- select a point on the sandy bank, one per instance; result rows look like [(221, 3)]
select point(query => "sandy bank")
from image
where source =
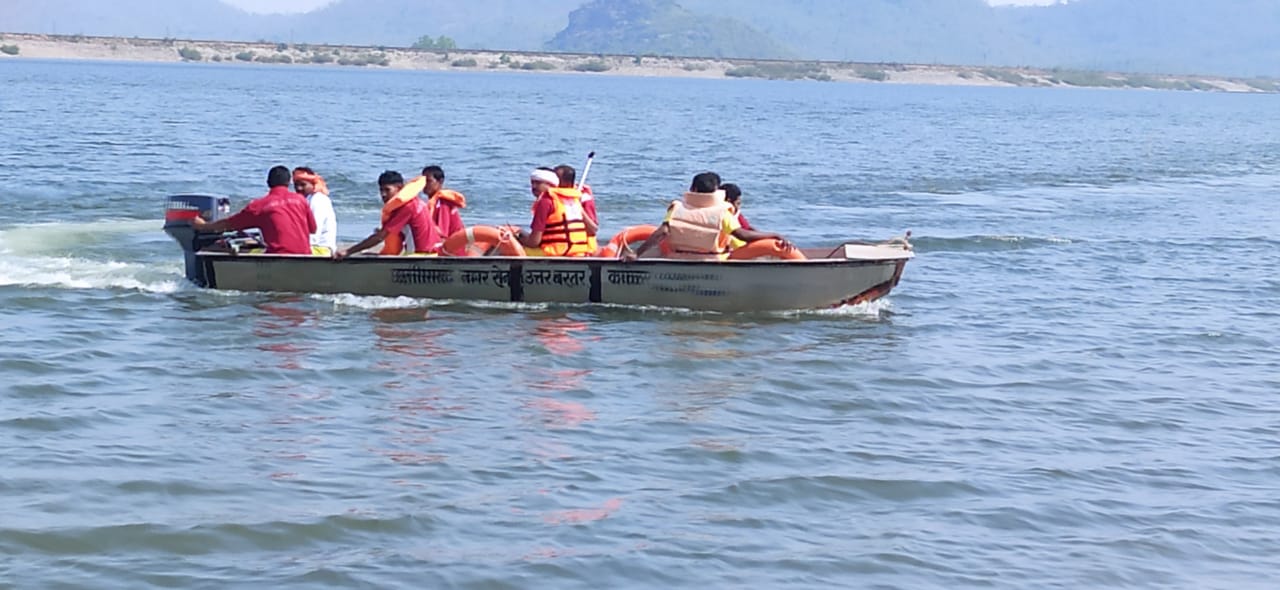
[(18, 46)]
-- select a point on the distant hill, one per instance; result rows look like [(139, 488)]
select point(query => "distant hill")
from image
[(1231, 37), (479, 24), (917, 31), (660, 27), (1236, 37)]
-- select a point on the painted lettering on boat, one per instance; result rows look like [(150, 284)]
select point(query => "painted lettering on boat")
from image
[(684, 276), (691, 290), (628, 277), (421, 276), (475, 277), (497, 277)]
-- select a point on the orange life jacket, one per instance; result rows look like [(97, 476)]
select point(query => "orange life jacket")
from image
[(697, 233), (454, 197), (394, 245), (566, 231)]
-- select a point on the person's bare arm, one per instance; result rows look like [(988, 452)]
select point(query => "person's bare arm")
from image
[(654, 239), (215, 227), (749, 235), (369, 242)]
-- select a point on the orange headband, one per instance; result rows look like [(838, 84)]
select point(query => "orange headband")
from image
[(304, 176)]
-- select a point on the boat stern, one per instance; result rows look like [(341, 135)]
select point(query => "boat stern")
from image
[(179, 210)]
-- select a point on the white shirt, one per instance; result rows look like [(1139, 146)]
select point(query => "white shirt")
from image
[(326, 221)]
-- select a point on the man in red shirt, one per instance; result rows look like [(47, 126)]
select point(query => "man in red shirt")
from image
[(283, 216), (444, 203), (426, 240)]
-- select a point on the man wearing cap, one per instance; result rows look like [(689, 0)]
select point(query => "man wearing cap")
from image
[(560, 225), (310, 185)]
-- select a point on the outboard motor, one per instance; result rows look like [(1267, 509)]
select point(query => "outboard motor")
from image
[(179, 210)]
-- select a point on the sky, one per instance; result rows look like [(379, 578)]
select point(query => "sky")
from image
[(270, 6)]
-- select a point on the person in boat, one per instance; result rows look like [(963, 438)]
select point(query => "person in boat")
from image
[(560, 226), (411, 212), (445, 205), (307, 183), (733, 196), (701, 226), (568, 180), (283, 217)]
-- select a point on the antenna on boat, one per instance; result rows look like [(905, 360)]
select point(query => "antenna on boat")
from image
[(582, 180)]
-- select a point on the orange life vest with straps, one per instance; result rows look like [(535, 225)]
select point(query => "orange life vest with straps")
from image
[(566, 231)]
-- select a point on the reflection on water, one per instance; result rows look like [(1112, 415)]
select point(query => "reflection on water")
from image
[(412, 353), (557, 333), (280, 332)]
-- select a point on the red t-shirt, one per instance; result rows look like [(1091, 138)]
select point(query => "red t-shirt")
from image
[(742, 220), (285, 219), (414, 215), (541, 211), (448, 219), (589, 204)]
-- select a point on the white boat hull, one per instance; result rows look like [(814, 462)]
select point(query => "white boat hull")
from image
[(849, 275)]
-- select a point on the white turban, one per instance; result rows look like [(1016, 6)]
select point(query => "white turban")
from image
[(545, 176)]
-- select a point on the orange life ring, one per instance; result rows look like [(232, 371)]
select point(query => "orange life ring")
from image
[(635, 234), (479, 240), (767, 250)]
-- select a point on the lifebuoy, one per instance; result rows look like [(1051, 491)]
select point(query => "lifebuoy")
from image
[(479, 240), (767, 250), (635, 234)]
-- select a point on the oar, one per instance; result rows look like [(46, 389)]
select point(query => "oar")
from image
[(582, 180)]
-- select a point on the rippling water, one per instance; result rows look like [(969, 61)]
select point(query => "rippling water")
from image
[(1073, 386)]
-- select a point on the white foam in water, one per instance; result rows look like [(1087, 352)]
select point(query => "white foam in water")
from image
[(373, 302), (30, 256), (78, 273), (867, 310)]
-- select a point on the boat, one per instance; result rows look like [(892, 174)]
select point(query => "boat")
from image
[(836, 276)]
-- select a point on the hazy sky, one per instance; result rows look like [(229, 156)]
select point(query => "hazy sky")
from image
[(265, 6)]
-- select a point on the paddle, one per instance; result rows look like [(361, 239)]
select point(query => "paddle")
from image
[(582, 180)]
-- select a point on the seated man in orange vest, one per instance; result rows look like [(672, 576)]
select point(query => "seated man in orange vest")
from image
[(443, 203), (411, 212), (560, 225), (701, 226), (568, 180)]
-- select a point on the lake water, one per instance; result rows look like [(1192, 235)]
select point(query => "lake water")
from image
[(1074, 386)]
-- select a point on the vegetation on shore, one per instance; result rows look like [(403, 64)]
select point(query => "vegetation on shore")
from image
[(263, 52)]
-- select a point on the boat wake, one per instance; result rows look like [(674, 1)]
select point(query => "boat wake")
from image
[(83, 256), (981, 243)]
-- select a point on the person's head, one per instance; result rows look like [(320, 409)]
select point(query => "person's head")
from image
[(304, 181), (278, 177), (732, 194), (435, 179), (389, 183), (567, 175), (707, 182), (542, 180)]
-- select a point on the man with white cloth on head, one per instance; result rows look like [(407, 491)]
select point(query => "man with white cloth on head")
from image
[(560, 224), (310, 185)]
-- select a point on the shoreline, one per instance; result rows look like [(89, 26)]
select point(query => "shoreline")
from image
[(133, 49)]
